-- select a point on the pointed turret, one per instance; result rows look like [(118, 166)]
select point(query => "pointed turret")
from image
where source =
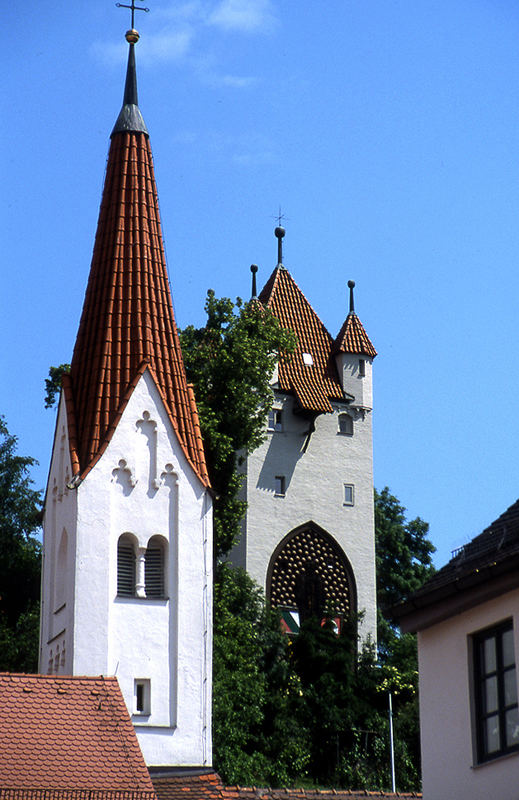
[(310, 371), (128, 324), (354, 354)]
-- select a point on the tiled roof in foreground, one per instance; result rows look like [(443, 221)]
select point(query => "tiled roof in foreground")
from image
[(68, 738), (315, 384), (128, 324), (210, 787)]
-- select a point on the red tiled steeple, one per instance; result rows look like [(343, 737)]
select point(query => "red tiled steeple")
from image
[(127, 324), (315, 383)]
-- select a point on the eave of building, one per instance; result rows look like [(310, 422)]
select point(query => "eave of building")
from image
[(481, 584)]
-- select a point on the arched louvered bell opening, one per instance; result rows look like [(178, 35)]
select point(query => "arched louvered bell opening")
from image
[(125, 568), (154, 570)]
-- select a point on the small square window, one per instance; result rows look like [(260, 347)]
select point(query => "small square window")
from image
[(141, 696), (308, 360), (279, 485), (275, 422), (362, 367), (349, 496)]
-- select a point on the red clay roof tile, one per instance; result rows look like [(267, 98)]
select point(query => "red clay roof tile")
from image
[(352, 338), (210, 787), (316, 383), (128, 318), (66, 736)]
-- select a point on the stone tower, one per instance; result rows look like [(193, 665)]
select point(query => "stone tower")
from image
[(308, 535)]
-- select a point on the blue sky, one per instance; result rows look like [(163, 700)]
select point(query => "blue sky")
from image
[(386, 130)]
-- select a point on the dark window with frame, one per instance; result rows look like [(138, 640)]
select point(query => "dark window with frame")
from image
[(279, 485), (125, 568), (275, 421), (495, 684), (345, 424)]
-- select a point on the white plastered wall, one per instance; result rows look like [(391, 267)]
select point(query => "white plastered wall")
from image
[(447, 737), (314, 492), (144, 486), (58, 575)]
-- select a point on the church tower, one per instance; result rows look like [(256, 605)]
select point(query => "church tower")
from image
[(127, 564), (308, 535)]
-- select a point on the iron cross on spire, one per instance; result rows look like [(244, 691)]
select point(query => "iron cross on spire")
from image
[(133, 8)]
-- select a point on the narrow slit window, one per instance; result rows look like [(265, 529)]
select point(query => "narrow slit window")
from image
[(279, 485), (275, 422), (362, 367), (142, 696), (349, 494)]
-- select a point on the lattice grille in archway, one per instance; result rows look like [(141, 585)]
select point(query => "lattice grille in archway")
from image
[(310, 546)]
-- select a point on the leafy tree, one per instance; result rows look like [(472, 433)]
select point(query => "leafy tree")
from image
[(230, 361), (53, 384), (20, 510), (403, 552), (257, 739), (403, 564)]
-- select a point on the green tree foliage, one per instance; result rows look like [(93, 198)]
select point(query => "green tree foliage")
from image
[(53, 384), (230, 361), (20, 509), (256, 736), (403, 564), (311, 710)]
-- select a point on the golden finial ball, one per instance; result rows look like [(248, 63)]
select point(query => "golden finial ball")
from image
[(132, 36)]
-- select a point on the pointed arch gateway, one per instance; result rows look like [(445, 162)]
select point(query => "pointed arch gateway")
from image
[(309, 550)]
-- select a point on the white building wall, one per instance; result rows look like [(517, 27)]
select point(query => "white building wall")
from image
[(355, 380), (449, 767), (58, 575), (314, 491), (143, 486)]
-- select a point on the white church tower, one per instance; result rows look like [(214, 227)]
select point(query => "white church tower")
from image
[(127, 564), (308, 535)]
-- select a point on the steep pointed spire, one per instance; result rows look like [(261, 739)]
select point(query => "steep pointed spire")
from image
[(128, 325), (130, 117), (352, 338)]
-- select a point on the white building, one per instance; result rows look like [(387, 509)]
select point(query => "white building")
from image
[(467, 619), (127, 559), (309, 527)]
